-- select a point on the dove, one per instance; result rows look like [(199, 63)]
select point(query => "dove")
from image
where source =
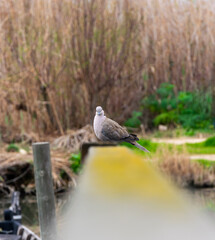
[(108, 130)]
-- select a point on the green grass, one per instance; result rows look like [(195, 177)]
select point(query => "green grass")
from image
[(148, 144), (206, 163), (210, 142), (198, 149), (181, 132), (205, 147)]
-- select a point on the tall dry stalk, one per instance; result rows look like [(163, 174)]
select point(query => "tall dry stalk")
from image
[(179, 42)]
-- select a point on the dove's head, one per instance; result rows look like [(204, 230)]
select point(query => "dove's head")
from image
[(99, 111)]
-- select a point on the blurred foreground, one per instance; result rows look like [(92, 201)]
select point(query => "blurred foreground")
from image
[(121, 196)]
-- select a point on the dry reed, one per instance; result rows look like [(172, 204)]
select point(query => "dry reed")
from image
[(17, 172), (183, 171), (73, 140)]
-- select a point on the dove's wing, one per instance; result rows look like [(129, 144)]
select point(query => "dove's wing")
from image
[(113, 131)]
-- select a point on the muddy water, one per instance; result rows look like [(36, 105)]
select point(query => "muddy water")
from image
[(204, 198)]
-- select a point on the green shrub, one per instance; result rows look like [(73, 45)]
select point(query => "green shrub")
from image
[(134, 121), (210, 142), (75, 160), (162, 101), (191, 110), (166, 118), (12, 148), (194, 110), (190, 132)]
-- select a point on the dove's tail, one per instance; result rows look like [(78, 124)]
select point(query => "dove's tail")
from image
[(140, 147), (132, 138)]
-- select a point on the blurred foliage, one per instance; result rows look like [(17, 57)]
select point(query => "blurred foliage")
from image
[(210, 142), (196, 148), (134, 121), (206, 163), (205, 147), (12, 148), (190, 132), (191, 110), (75, 161)]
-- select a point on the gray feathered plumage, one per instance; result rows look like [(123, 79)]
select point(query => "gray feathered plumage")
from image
[(109, 130)]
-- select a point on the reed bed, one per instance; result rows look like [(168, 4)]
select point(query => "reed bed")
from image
[(183, 171), (59, 59)]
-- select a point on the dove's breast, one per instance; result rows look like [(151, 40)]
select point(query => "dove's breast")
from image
[(97, 126)]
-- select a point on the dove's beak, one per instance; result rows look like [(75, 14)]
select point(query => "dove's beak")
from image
[(100, 113)]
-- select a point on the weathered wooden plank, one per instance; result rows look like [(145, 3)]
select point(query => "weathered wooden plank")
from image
[(121, 196)]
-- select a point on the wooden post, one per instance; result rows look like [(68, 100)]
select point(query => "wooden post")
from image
[(44, 189), (212, 87), (213, 104)]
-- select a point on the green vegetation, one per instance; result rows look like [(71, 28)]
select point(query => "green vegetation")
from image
[(134, 121), (181, 132), (148, 144), (206, 163), (206, 147), (210, 142), (191, 110), (196, 148), (75, 161), (12, 148)]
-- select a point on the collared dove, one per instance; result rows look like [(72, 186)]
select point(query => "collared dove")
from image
[(109, 130)]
